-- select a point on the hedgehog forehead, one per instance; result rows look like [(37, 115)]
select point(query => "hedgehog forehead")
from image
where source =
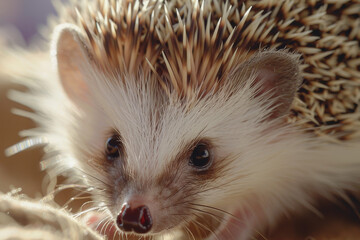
[(153, 129), (154, 137), (157, 132)]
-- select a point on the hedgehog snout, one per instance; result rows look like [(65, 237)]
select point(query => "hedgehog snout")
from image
[(134, 218)]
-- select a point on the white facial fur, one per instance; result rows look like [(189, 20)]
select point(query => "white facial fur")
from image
[(264, 167)]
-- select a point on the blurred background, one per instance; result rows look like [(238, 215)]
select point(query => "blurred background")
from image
[(25, 15), (19, 22)]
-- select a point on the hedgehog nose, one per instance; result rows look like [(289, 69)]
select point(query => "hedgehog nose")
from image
[(134, 219)]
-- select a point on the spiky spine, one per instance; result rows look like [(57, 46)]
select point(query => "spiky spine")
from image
[(191, 46)]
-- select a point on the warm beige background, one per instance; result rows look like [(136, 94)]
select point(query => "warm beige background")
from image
[(21, 170)]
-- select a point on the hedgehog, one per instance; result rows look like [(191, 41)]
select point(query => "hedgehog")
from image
[(211, 119)]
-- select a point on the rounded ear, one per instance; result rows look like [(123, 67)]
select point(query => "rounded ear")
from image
[(276, 73), (73, 61)]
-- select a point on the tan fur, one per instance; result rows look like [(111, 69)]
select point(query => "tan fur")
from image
[(24, 219)]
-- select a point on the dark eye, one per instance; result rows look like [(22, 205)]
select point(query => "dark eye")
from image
[(113, 147), (200, 157)]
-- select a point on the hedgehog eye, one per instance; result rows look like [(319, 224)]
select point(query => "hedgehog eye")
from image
[(113, 147), (200, 157)]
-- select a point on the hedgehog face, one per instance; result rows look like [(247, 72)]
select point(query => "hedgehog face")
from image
[(162, 161)]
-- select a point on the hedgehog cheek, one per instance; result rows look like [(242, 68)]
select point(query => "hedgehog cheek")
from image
[(73, 61), (276, 77)]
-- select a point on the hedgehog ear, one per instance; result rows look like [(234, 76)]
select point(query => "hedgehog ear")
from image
[(73, 61), (277, 74)]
